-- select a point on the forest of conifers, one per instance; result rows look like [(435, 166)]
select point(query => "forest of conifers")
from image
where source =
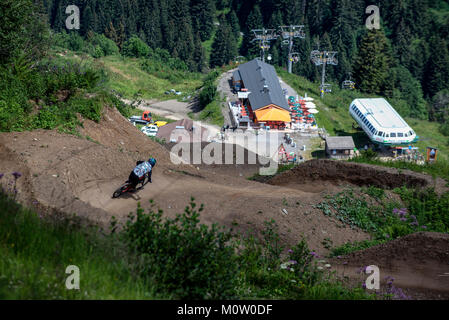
[(408, 57)]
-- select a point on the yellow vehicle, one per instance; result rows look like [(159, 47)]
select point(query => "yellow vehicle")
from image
[(160, 123)]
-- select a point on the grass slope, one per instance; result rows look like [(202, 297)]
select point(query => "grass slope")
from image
[(35, 254)]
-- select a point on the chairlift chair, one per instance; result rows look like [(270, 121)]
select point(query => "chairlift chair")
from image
[(348, 84)]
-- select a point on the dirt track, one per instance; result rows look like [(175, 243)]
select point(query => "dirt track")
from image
[(418, 262), (75, 175), (340, 172)]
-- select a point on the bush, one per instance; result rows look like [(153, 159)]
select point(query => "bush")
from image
[(104, 45), (136, 48), (208, 93), (444, 129), (212, 112), (185, 258)]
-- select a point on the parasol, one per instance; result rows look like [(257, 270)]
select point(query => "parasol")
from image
[(310, 105)]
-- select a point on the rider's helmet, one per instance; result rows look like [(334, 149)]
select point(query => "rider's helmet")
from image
[(152, 161)]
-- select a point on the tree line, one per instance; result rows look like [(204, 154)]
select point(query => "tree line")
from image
[(406, 58)]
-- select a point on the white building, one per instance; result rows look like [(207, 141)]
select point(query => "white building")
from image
[(381, 122)]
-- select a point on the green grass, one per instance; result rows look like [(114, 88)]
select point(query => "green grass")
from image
[(207, 45), (127, 77), (353, 246), (212, 113), (386, 219), (36, 252)]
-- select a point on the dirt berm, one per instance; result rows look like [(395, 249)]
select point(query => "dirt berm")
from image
[(359, 174), (418, 262)]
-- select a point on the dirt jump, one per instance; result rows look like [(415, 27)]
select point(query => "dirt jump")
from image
[(418, 262), (78, 174)]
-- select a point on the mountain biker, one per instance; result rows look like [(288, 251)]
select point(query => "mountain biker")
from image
[(142, 168)]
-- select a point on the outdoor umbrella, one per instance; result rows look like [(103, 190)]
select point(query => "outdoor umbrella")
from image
[(310, 105)]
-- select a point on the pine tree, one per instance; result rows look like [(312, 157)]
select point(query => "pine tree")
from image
[(345, 25), (371, 67), (234, 23), (224, 47), (111, 33), (88, 20), (254, 21), (199, 54), (436, 76), (202, 12)]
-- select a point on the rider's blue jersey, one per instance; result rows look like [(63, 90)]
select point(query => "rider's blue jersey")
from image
[(142, 169)]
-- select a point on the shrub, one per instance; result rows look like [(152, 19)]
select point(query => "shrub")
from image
[(185, 258), (136, 48), (444, 129), (208, 93), (47, 118), (107, 46)]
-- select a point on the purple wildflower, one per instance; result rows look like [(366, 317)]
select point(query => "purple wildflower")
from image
[(1, 175), (16, 175), (290, 251), (293, 262), (313, 253), (424, 227), (403, 219)]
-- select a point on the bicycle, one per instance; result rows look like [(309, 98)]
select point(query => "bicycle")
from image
[(127, 186)]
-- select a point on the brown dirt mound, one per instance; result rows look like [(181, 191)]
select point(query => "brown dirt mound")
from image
[(418, 262), (338, 172)]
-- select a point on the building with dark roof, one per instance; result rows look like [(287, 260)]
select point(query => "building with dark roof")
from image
[(265, 100), (340, 147)]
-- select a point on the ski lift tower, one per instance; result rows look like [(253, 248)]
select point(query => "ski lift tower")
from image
[(289, 33), (264, 36), (323, 58)]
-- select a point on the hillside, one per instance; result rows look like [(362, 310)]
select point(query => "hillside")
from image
[(201, 231)]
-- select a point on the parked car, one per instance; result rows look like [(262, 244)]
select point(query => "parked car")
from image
[(150, 131)]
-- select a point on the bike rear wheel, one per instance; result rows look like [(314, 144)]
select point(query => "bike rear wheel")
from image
[(124, 188)]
